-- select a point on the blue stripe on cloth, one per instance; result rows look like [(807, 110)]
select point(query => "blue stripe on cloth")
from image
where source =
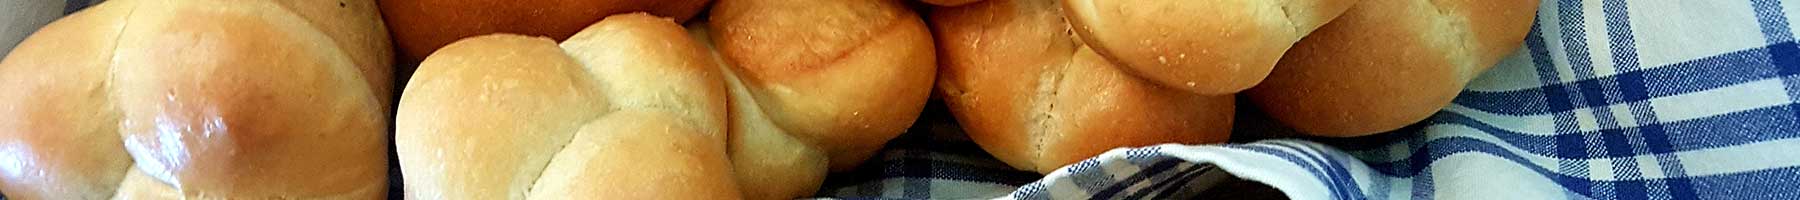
[(1337, 191), (1736, 128), (1333, 168), (1741, 185), (1089, 175), (1575, 47), (1159, 167), (1775, 30), (1180, 182), (1729, 129), (1680, 78), (1632, 86), (1622, 144)]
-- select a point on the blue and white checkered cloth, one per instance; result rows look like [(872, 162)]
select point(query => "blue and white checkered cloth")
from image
[(1608, 99)]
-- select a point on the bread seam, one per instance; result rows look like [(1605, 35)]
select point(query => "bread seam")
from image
[(1294, 32), (881, 32), (1048, 91), (112, 96), (592, 80)]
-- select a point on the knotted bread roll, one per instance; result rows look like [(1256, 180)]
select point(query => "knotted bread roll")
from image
[(629, 107), (633, 107), (1033, 95), (206, 99), (1208, 47), (1389, 63)]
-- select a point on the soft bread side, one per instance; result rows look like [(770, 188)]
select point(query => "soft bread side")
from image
[(1387, 64)]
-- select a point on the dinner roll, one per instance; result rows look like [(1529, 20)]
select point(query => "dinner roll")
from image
[(1387, 64), (1032, 94), (1208, 47), (840, 76), (423, 26), (629, 107), (637, 100), (199, 99)]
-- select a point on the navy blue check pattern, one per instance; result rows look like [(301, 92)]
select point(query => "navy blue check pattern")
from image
[(1607, 99)]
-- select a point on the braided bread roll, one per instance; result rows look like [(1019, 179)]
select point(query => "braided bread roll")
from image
[(423, 26), (1208, 47), (632, 107), (198, 99), (1030, 93), (629, 107), (833, 77), (1387, 64)]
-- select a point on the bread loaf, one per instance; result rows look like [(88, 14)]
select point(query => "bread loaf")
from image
[(423, 26), (263, 99), (1210, 47), (794, 89), (1033, 95), (1387, 64)]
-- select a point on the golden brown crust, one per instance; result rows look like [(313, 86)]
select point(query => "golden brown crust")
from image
[(59, 127), (502, 116), (1206, 47), (769, 163), (793, 55), (201, 114), (1040, 101), (1100, 107), (423, 26), (237, 99), (1386, 64)]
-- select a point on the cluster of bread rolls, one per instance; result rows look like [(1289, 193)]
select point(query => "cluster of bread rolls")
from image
[(539, 99), (633, 106), (1045, 83), (249, 99)]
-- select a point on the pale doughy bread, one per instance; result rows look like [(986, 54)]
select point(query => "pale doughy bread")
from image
[(1031, 94), (423, 26), (1387, 64), (512, 117), (199, 99), (1204, 46), (636, 99)]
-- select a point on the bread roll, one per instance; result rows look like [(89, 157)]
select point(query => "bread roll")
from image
[(839, 76), (1387, 64), (626, 104), (198, 99), (423, 26), (1208, 47), (635, 100), (1031, 94)]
